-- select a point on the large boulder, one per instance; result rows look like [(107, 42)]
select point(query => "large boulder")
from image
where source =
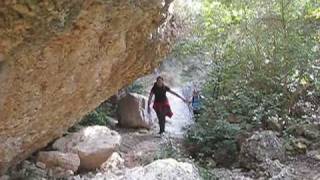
[(94, 145), (60, 59), (165, 169), (259, 147), (53, 159), (132, 112)]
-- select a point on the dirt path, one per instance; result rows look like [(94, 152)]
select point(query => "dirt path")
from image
[(140, 147)]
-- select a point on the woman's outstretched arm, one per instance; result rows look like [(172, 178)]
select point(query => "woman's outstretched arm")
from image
[(176, 94)]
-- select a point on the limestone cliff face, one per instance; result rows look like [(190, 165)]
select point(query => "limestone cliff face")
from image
[(59, 59)]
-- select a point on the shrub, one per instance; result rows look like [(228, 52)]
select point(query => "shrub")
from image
[(97, 117), (136, 88), (264, 61), (210, 138)]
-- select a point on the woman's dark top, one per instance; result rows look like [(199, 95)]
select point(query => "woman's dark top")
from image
[(160, 93)]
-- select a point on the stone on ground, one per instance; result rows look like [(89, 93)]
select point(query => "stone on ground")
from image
[(227, 174), (165, 169), (132, 112), (259, 147), (114, 163), (274, 170), (53, 159), (93, 144)]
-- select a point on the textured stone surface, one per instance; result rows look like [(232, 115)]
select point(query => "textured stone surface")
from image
[(94, 145), (59, 59), (52, 159), (259, 147), (132, 111), (164, 169), (113, 163)]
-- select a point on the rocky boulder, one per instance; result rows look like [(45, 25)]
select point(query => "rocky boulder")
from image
[(61, 59), (94, 145), (259, 147), (113, 163), (53, 159), (165, 169), (274, 170), (132, 112)]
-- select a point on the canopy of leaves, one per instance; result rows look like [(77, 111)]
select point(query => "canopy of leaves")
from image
[(265, 60)]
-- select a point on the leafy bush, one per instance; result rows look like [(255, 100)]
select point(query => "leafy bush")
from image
[(211, 138), (205, 174), (97, 117), (265, 59), (136, 88)]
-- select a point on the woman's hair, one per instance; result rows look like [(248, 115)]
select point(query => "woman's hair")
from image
[(159, 77)]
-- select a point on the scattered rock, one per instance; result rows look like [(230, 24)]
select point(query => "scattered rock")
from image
[(210, 162), (132, 112), (259, 147), (275, 170), (60, 173), (273, 124), (41, 165), (300, 145), (164, 169), (142, 153), (114, 163), (93, 144), (143, 131), (27, 170), (314, 154), (69, 173), (227, 174), (54, 159)]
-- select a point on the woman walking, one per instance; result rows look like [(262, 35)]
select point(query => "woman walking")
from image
[(161, 103)]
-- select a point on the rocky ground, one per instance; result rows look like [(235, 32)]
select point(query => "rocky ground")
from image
[(113, 152), (98, 152)]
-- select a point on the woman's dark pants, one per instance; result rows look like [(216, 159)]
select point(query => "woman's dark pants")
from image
[(162, 120)]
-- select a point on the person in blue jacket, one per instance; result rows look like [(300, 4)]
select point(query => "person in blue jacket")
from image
[(196, 102)]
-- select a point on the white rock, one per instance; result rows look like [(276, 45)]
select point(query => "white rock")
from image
[(132, 111), (52, 159), (113, 163), (166, 169), (93, 144), (41, 165)]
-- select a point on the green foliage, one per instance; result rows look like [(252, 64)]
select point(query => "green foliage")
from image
[(265, 59), (136, 88), (205, 174), (210, 138), (169, 150), (97, 117)]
